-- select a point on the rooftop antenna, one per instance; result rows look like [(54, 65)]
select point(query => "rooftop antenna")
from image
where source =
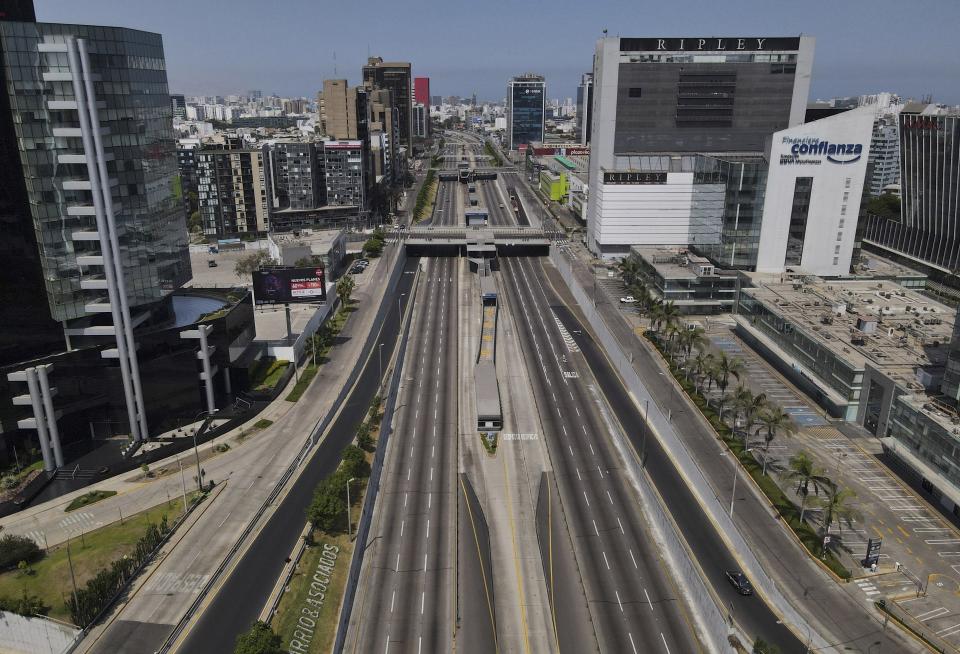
[(604, 31), (334, 63)]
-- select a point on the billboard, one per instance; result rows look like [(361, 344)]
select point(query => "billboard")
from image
[(289, 285)]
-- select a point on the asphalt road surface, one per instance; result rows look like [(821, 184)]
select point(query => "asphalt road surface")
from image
[(633, 600), (751, 613), (244, 593), (409, 579)]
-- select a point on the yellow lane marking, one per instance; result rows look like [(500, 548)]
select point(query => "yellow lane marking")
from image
[(516, 560), (483, 573)]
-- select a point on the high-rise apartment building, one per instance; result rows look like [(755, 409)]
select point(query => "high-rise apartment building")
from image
[(232, 184), (296, 179), (421, 116), (526, 110), (344, 175), (584, 107), (660, 105), (343, 110), (421, 90), (925, 234), (178, 104), (92, 232), (384, 127), (884, 154), (394, 76)]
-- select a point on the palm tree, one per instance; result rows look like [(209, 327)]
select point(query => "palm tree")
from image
[(807, 475), (774, 418), (629, 271), (669, 313), (837, 508), (701, 363), (712, 373), (726, 367), (694, 338), (741, 401)]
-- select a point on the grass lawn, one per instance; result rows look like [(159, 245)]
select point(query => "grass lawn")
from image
[(267, 373), (294, 599), (306, 376), (89, 498), (97, 549)]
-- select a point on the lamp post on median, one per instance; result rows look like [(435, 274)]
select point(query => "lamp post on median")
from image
[(736, 470), (349, 527)]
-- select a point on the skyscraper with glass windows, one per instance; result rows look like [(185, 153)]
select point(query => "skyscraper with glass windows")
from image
[(526, 109), (89, 201)]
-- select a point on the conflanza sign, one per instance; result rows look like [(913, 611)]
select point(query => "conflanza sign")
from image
[(310, 608), (811, 150)]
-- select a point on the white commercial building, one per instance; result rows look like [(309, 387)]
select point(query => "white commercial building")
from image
[(812, 201)]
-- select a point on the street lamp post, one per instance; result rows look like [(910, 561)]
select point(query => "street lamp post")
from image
[(736, 470), (349, 527), (399, 309), (196, 452), (380, 366)]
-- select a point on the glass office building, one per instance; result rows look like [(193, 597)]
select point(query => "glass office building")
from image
[(526, 97), (134, 114), (926, 231)]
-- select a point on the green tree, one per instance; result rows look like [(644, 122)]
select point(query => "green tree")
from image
[(727, 367), (329, 504), (248, 263), (886, 205), (629, 271), (774, 419), (364, 439), (836, 508), (807, 476), (373, 248), (194, 224), (354, 462), (747, 406), (701, 364), (345, 288), (258, 639)]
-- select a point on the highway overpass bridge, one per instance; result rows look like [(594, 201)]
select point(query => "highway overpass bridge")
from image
[(485, 241)]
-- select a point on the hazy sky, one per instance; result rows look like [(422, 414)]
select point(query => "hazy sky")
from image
[(288, 46)]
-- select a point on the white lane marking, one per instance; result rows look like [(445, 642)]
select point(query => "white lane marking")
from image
[(585, 498), (600, 471), (423, 601), (570, 448), (409, 471), (631, 643), (609, 497), (419, 644), (393, 598), (402, 523), (428, 528), (578, 475), (605, 560), (432, 447), (634, 560), (663, 638), (577, 410), (429, 501), (621, 526), (646, 593), (618, 600), (595, 528), (405, 500), (397, 567), (224, 519), (431, 474), (387, 649), (424, 562)]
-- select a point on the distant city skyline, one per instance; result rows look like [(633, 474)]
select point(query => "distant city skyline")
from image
[(478, 48)]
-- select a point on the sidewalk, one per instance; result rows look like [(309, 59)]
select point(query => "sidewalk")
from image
[(48, 524), (839, 613)]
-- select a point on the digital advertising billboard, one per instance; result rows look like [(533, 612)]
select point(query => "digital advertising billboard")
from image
[(289, 285)]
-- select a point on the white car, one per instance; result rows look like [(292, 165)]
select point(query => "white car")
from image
[(629, 299)]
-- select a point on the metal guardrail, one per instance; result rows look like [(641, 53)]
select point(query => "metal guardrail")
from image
[(311, 440), (373, 486)]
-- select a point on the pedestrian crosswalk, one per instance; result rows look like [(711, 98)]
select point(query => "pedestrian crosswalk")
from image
[(868, 587), (175, 582), (83, 520)]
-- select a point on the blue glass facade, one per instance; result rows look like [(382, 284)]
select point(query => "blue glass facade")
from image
[(525, 110)]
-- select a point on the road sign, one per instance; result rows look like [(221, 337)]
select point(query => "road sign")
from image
[(873, 552)]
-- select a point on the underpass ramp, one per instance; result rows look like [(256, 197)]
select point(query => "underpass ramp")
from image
[(476, 619), (572, 626)]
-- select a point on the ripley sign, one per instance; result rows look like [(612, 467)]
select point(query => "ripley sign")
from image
[(710, 44)]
